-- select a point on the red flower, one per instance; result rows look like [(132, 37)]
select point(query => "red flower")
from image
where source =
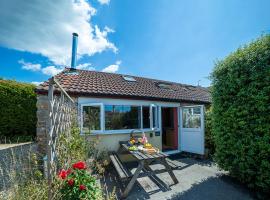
[(79, 165), (82, 187), (63, 174), (71, 182), (68, 171)]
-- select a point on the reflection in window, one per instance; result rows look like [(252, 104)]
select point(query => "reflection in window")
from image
[(146, 116), (192, 117), (122, 117), (155, 116), (91, 118)]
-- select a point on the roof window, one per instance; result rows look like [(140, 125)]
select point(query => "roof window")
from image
[(164, 85), (129, 78), (190, 87)]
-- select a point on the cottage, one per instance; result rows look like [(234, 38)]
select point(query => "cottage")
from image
[(111, 106)]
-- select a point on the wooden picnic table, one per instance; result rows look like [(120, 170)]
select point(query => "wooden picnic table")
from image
[(144, 159)]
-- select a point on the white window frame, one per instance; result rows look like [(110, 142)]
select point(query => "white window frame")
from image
[(119, 131), (101, 105), (152, 118), (201, 117), (112, 101)]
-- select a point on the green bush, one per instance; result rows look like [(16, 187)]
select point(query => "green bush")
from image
[(241, 114), (78, 183), (17, 108), (209, 137)]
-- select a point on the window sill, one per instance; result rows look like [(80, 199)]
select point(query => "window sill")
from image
[(191, 129), (117, 132)]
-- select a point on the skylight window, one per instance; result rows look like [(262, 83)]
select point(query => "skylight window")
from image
[(164, 85), (129, 78), (190, 87)]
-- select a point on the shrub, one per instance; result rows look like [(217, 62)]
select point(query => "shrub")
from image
[(98, 159), (18, 109), (72, 147), (78, 183), (241, 114), (209, 137), (34, 185)]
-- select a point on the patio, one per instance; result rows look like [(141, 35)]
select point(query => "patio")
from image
[(198, 179)]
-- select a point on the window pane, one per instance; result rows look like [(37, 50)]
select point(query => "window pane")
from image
[(197, 110), (122, 117), (191, 117), (91, 118), (155, 116), (146, 116)]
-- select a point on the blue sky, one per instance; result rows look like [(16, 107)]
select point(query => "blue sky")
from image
[(175, 40)]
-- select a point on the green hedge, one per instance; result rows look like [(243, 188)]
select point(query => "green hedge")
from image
[(18, 109), (209, 137), (241, 114)]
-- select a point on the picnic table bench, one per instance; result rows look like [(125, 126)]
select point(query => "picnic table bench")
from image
[(143, 159)]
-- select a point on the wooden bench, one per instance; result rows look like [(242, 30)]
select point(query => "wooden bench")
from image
[(174, 164), (122, 171)]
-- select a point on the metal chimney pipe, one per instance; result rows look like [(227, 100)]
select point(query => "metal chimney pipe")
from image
[(74, 50)]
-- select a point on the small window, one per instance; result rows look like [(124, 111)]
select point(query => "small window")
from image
[(119, 117), (91, 118), (146, 116), (129, 78), (154, 116), (191, 117), (164, 85)]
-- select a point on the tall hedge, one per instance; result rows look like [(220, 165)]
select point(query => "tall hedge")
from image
[(241, 114), (209, 137), (17, 109)]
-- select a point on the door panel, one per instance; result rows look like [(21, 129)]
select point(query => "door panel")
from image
[(192, 129)]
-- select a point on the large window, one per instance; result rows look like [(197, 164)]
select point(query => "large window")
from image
[(91, 118), (191, 117), (122, 117), (99, 118)]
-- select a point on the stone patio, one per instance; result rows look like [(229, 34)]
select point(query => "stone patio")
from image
[(198, 179)]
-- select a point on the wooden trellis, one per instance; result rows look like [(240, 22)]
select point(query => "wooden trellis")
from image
[(61, 118)]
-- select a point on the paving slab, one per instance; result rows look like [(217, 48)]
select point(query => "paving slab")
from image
[(198, 179)]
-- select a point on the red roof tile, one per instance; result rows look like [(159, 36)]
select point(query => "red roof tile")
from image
[(93, 83)]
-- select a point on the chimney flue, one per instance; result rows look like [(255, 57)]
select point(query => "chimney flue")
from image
[(74, 50)]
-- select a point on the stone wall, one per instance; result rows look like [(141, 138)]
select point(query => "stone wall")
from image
[(42, 122), (15, 163)]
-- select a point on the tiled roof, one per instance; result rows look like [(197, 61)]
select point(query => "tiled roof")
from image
[(93, 83)]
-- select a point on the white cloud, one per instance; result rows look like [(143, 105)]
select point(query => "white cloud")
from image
[(36, 82), (118, 62), (85, 66), (112, 68), (51, 70), (29, 66), (104, 1), (46, 27)]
